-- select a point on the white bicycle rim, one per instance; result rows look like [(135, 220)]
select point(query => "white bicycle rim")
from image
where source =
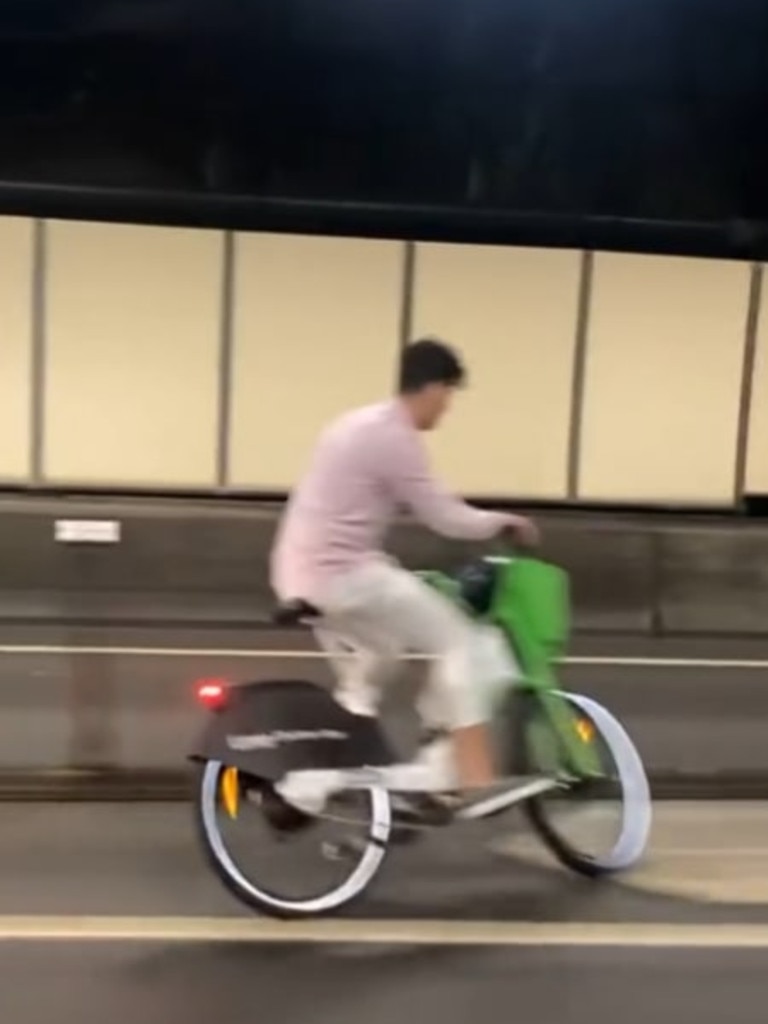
[(637, 813), (359, 879)]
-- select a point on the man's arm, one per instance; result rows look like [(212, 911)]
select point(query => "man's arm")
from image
[(434, 506)]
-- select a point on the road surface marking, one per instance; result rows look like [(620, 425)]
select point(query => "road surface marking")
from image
[(378, 932), (311, 655)]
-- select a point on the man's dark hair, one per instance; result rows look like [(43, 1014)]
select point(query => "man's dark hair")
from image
[(429, 361)]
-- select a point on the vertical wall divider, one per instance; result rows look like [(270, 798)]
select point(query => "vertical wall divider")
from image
[(578, 379), (226, 359), (406, 298), (747, 380), (38, 351)]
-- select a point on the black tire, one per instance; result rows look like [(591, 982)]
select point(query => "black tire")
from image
[(268, 903), (631, 779)]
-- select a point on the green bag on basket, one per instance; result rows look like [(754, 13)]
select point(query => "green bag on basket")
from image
[(532, 600)]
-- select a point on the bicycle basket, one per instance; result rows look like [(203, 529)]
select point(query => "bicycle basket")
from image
[(532, 600)]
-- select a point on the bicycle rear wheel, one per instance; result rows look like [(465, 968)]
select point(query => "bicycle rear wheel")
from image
[(619, 797), (371, 819)]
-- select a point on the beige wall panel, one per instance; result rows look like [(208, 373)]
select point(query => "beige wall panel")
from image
[(316, 331), (757, 450), (133, 326), (512, 312), (666, 347), (15, 346)]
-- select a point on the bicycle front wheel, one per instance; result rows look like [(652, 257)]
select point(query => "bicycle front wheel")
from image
[(229, 844), (595, 826)]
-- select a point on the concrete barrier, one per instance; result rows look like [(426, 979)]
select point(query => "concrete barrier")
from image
[(186, 562), (194, 563), (714, 581)]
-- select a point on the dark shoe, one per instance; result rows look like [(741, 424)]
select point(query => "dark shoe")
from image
[(281, 816), (412, 815)]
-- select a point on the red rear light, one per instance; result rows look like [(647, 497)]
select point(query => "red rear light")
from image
[(211, 693)]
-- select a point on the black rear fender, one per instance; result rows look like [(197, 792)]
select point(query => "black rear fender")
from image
[(269, 728)]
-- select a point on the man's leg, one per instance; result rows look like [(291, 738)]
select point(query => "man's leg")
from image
[(363, 658), (474, 756), (362, 665), (395, 604)]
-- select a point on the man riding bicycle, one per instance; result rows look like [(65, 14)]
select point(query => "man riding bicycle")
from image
[(368, 465)]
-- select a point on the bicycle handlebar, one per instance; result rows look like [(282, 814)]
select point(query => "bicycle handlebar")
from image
[(509, 541), (507, 552)]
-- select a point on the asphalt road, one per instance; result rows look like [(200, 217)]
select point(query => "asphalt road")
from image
[(707, 862), (109, 911), (133, 982)]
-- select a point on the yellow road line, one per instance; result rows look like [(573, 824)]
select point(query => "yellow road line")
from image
[(418, 932)]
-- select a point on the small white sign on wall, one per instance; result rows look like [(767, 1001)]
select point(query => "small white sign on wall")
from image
[(87, 531)]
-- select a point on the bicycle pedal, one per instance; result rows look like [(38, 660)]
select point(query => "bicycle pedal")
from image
[(419, 814), (281, 816), (344, 850)]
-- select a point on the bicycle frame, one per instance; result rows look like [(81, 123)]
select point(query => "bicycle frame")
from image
[(530, 606)]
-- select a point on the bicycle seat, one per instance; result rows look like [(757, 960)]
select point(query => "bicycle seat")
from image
[(294, 612)]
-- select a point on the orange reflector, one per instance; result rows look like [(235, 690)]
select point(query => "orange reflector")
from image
[(585, 729), (230, 791)]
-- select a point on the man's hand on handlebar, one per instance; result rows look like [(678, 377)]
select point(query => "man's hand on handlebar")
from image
[(521, 531)]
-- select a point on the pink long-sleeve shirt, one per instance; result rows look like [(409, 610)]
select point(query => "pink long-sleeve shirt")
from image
[(367, 466)]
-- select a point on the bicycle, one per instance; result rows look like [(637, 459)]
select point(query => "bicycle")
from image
[(560, 742)]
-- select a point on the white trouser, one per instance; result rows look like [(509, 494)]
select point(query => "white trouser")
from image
[(377, 612), (374, 614)]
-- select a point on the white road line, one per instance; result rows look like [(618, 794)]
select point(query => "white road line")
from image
[(723, 854), (657, 854), (421, 933), (37, 650), (708, 663)]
